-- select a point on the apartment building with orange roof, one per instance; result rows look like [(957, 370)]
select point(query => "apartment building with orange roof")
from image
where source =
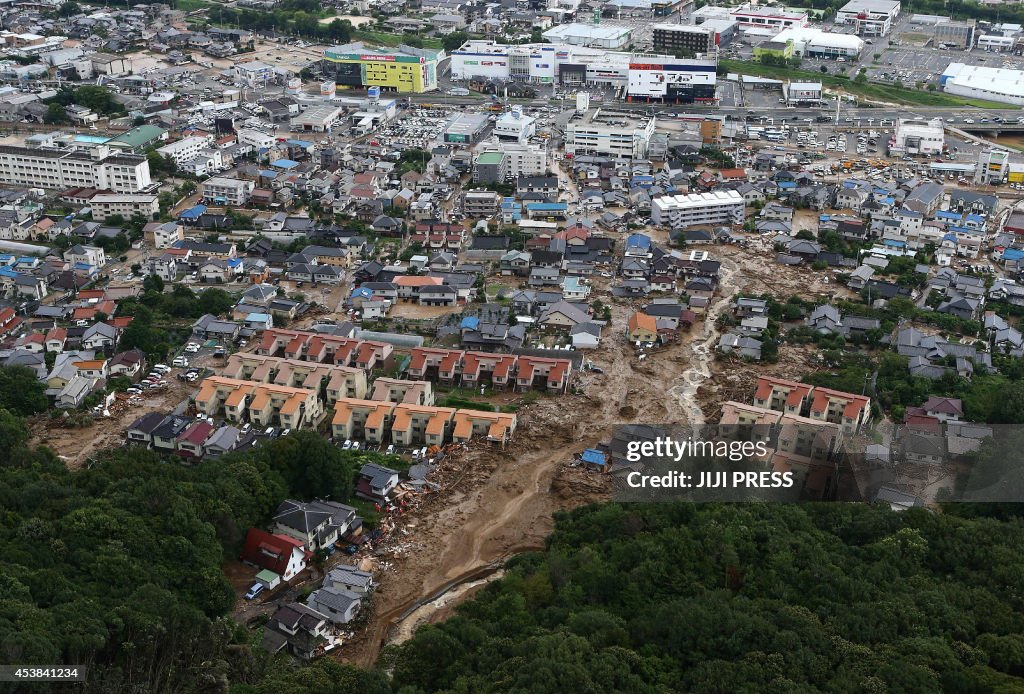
[(341, 381), (740, 421), (808, 437), (314, 347), (264, 404), (403, 392), (428, 362), (498, 427), (552, 374), (849, 411), (781, 395), (416, 424), (362, 419), (478, 367)]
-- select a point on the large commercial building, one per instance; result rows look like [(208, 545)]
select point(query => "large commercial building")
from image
[(624, 134), (610, 36), (768, 18), (917, 136), (869, 17), (405, 70), (639, 76), (59, 169), (809, 42), (675, 80), (980, 82), (716, 207)]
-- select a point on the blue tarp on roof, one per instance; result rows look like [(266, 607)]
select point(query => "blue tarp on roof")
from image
[(976, 218), (640, 240), (362, 293), (824, 217), (1013, 254), (193, 213), (593, 457), (299, 143), (943, 214), (469, 323), (788, 185), (7, 272), (267, 173), (547, 206), (892, 243), (949, 237), (284, 164)]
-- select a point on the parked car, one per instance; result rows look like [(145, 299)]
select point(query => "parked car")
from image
[(255, 591)]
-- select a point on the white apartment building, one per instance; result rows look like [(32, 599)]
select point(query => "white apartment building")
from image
[(105, 205), (232, 191), (256, 138), (715, 207), (185, 149), (919, 136), (59, 169), (208, 161), (606, 131), (524, 160)]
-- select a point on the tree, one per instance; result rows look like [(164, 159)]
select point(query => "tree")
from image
[(55, 114), (21, 392), (153, 283), (824, 68), (69, 9), (454, 40)]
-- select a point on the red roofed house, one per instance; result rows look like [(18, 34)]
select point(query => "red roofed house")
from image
[(921, 423), (726, 175), (781, 395), (9, 321), (191, 440), (943, 408), (55, 339), (278, 553)]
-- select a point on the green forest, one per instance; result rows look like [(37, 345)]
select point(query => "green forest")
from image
[(741, 598), (118, 567)]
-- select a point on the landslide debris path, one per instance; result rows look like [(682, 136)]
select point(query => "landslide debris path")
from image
[(699, 371)]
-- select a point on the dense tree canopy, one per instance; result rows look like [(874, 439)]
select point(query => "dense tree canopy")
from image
[(741, 598), (119, 566)]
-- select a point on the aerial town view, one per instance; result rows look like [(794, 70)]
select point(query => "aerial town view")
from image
[(511, 346)]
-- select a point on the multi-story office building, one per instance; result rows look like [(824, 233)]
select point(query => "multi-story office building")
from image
[(404, 70), (606, 131)]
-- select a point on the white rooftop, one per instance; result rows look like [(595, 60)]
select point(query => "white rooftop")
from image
[(697, 200)]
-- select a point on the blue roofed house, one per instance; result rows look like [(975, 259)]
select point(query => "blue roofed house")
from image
[(575, 289)]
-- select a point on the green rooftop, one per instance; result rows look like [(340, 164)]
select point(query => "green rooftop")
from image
[(139, 136), (492, 158)]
